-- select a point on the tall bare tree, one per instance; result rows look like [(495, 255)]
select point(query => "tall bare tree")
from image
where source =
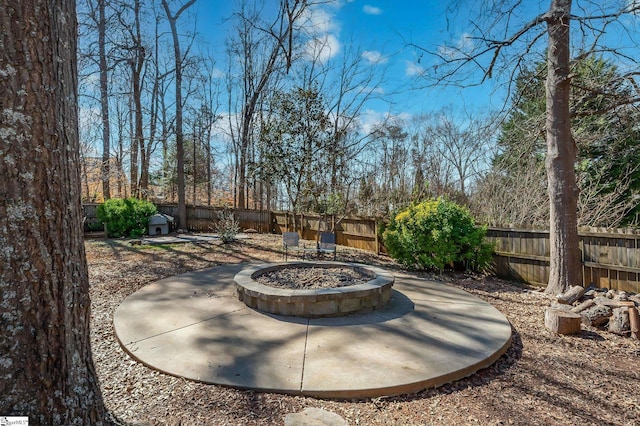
[(487, 47), (261, 49), (104, 99), (97, 56), (136, 58), (173, 19), (45, 356)]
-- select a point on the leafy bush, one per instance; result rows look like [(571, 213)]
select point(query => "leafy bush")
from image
[(436, 234), (227, 226), (126, 217)]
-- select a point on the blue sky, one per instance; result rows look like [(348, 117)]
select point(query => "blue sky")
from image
[(381, 30)]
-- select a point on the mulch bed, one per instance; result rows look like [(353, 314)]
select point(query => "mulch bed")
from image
[(545, 379)]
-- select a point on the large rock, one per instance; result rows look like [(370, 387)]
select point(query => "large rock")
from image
[(596, 315)]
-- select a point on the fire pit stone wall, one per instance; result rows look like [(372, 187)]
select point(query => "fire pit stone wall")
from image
[(321, 302)]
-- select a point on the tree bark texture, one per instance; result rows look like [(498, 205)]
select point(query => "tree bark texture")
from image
[(46, 368), (565, 267)]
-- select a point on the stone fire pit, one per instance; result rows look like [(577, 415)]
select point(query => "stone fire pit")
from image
[(317, 302)]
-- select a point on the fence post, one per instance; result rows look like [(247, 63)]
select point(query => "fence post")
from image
[(375, 230)]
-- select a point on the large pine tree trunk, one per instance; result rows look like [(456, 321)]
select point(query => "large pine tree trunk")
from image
[(45, 357), (565, 267)]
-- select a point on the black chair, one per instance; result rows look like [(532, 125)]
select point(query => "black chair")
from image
[(291, 241), (327, 244)]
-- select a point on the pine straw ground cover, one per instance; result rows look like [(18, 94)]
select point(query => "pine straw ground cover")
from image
[(591, 378)]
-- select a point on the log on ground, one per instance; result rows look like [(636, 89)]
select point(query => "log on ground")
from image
[(619, 322), (562, 322), (584, 305), (634, 322), (574, 293)]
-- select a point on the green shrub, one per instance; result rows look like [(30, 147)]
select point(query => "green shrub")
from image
[(126, 217), (436, 234)]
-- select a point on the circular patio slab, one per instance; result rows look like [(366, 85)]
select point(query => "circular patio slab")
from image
[(194, 326)]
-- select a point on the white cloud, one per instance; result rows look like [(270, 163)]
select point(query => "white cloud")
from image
[(464, 44), (370, 119), (323, 47), (217, 73), (374, 57), (376, 90), (323, 32), (319, 21), (412, 69), (371, 10)]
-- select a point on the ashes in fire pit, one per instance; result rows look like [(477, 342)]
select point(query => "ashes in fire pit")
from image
[(313, 277)]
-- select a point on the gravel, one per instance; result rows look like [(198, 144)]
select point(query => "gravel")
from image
[(543, 379)]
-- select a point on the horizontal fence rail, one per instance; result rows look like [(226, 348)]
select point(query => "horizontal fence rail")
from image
[(610, 257)]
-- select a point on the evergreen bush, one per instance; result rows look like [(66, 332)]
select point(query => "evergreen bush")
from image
[(126, 217), (437, 234)]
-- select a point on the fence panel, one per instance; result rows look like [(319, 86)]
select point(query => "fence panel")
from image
[(203, 218), (356, 232), (610, 258)]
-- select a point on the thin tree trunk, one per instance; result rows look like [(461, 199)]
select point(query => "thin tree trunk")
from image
[(137, 65), (208, 169), (133, 148), (194, 173), (45, 355), (182, 206), (104, 102), (565, 267)]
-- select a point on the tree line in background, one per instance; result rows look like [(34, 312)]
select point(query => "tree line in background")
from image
[(604, 123), (294, 138)]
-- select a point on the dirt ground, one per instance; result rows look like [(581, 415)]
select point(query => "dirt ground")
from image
[(545, 379)]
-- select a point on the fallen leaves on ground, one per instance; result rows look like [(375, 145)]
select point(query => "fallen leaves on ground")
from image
[(543, 379)]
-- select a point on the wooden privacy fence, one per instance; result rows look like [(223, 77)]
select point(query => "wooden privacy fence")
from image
[(357, 232), (610, 258), (203, 219)]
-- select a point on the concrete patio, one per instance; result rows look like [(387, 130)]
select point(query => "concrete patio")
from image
[(194, 326)]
